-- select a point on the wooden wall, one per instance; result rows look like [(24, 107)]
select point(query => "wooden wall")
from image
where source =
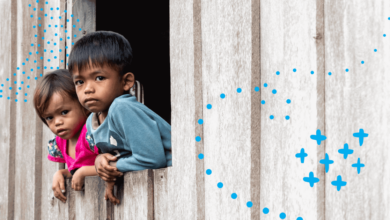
[(227, 47)]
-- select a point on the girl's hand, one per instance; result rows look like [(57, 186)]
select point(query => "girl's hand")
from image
[(58, 186), (109, 195), (78, 179)]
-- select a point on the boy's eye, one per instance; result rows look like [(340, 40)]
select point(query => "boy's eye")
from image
[(78, 82), (99, 78), (64, 112)]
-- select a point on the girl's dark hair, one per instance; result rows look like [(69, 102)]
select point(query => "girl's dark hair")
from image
[(59, 81), (101, 48)]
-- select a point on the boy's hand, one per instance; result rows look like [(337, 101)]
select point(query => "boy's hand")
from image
[(58, 186), (78, 180), (109, 195), (105, 171)]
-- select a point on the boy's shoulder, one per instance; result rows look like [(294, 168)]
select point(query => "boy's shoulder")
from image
[(122, 105)]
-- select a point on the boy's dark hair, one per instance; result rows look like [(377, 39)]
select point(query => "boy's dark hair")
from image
[(57, 81), (101, 48)]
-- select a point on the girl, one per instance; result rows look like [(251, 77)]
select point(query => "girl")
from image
[(56, 103)]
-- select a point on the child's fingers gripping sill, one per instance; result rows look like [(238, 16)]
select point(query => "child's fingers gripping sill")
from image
[(109, 193), (104, 170), (58, 186), (79, 177)]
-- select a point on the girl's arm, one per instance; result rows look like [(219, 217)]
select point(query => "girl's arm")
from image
[(79, 176), (59, 184)]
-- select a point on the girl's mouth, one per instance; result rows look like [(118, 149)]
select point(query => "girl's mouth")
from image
[(62, 132)]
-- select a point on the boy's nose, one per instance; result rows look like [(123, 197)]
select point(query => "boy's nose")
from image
[(89, 89)]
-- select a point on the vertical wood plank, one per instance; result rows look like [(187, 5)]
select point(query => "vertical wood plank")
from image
[(291, 38), (231, 146), (90, 203), (50, 207), (118, 210), (84, 16), (28, 132), (161, 196), (7, 137), (358, 99), (138, 195), (186, 182)]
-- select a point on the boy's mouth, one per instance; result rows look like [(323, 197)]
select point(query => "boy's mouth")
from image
[(90, 101)]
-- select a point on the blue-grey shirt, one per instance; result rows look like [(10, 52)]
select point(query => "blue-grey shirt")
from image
[(140, 138)]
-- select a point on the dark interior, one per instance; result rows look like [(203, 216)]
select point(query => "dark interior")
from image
[(146, 27)]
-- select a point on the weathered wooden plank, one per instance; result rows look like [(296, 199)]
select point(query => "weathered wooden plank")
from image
[(228, 35), (84, 16), (355, 100), (118, 210), (7, 130), (291, 38), (138, 195), (50, 207), (90, 203), (66, 210), (161, 196), (28, 132), (186, 182)]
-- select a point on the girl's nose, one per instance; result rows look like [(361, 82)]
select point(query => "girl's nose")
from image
[(59, 121)]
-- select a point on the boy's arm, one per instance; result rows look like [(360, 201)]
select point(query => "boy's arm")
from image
[(142, 137)]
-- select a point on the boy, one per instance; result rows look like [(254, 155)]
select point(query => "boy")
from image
[(118, 125)]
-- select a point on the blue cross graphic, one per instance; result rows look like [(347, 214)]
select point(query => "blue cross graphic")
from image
[(326, 162), (311, 179), (358, 165), (318, 137), (301, 155), (361, 135), (345, 151), (339, 183)]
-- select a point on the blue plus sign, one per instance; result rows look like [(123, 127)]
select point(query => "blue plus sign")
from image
[(311, 179), (345, 151), (326, 162), (318, 137), (339, 183), (301, 155), (361, 135), (358, 165)]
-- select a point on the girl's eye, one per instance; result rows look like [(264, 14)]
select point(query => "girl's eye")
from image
[(48, 118), (78, 82), (64, 112), (99, 78)]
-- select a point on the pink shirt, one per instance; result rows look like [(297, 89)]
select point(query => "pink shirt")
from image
[(85, 153)]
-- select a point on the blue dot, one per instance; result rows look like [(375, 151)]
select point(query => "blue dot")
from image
[(274, 91), (38, 67), (47, 3), (39, 18), (201, 156), (294, 70), (44, 50), (66, 47), (41, 58), (22, 82), (37, 1), (29, 5), (51, 51), (75, 35), (68, 37), (35, 35), (45, 67), (55, 25), (45, 15), (39, 25), (51, 9), (329, 73), (8, 98), (1, 96), (51, 68), (34, 26), (16, 100), (312, 72), (24, 72), (32, 70), (265, 210), (198, 138), (43, 38), (40, 75), (299, 218), (287, 117), (79, 29), (220, 185), (346, 70), (265, 84), (10, 88), (257, 89), (271, 117), (35, 61), (62, 26), (31, 16), (15, 82), (62, 61), (14, 74), (25, 94), (23, 64), (200, 121), (67, 55), (58, 8), (17, 93), (48, 60), (74, 26), (17, 68), (59, 17), (78, 20), (375, 50), (262, 102), (72, 43), (60, 39), (234, 196), (288, 101), (65, 11), (37, 52), (362, 62), (60, 50), (28, 77), (7, 79), (48, 42), (222, 96), (25, 100), (209, 106), (28, 86), (49, 25), (71, 15), (249, 204), (36, 78), (384, 35), (277, 73), (208, 171), (2, 85), (282, 215), (35, 9)]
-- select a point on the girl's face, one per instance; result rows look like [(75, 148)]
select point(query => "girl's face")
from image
[(64, 116)]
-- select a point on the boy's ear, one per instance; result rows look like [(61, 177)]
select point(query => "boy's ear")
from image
[(128, 81)]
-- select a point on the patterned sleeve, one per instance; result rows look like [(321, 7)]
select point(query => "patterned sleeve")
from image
[(91, 143), (55, 154)]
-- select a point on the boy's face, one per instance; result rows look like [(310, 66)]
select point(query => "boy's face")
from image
[(97, 87)]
